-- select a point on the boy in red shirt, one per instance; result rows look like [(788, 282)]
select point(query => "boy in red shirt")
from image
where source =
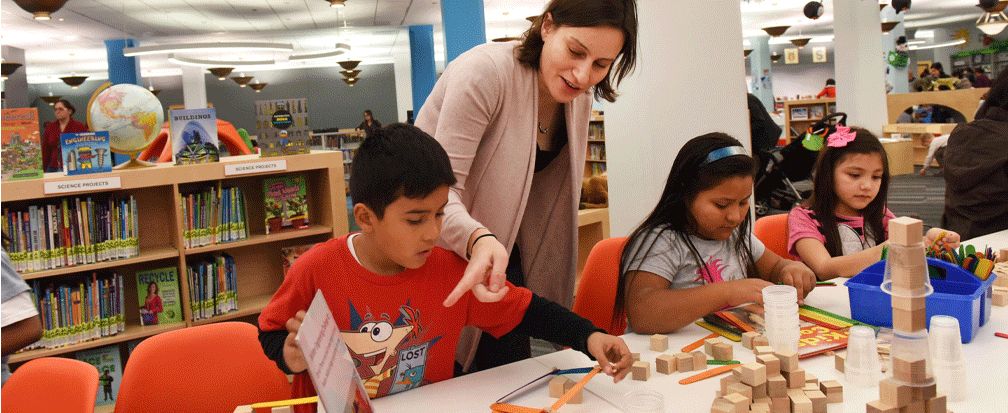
[(385, 285)]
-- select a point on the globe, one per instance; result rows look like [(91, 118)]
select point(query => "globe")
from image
[(131, 114)]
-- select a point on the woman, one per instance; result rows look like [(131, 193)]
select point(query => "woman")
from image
[(976, 169), (52, 154), (514, 121), (369, 124)]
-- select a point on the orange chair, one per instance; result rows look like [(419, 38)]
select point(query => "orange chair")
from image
[(51, 384), (208, 368), (772, 231), (596, 293)]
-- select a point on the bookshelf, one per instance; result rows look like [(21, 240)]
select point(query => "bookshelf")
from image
[(595, 159), (800, 114), (158, 191), (920, 134)]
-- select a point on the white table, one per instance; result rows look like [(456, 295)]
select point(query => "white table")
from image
[(996, 241)]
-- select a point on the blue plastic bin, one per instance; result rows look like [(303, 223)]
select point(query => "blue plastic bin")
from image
[(957, 293)]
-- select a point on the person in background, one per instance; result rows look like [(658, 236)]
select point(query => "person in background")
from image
[(764, 130), (964, 79), (369, 124), (936, 150), (828, 91), (21, 325), (980, 78), (52, 153), (938, 71), (976, 168), (906, 116)]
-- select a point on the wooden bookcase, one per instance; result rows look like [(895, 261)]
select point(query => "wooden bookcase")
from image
[(595, 159), (158, 195), (813, 109), (920, 135)]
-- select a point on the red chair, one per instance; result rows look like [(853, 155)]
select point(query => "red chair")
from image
[(773, 232), (208, 368), (51, 384), (596, 293)]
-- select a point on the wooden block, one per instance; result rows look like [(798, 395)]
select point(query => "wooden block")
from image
[(738, 402), (708, 345), (684, 362), (771, 362), (659, 342), (810, 386), (665, 364), (759, 392), (833, 391), (722, 405), (818, 400), (1002, 255), (878, 407), (908, 303), (838, 361), (722, 351), (753, 374), (800, 403), (780, 404), (578, 397), (811, 378), (795, 378), (909, 279), (916, 406), (895, 394), (635, 356), (776, 386), (759, 407), (640, 370), (747, 338), (726, 381), (910, 370), (1000, 298), (936, 405), (739, 388), (757, 350), (760, 340), (909, 320), (557, 385), (884, 348), (788, 360), (699, 360), (905, 231), (925, 392)]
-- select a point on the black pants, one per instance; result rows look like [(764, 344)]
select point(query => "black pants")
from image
[(511, 347)]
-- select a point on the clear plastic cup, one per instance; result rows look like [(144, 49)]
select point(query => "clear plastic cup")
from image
[(780, 305), (908, 264), (779, 295), (644, 401), (949, 365), (912, 346), (862, 368)]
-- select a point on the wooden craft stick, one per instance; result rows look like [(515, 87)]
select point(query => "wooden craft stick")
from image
[(823, 351), (717, 371), (510, 408), (731, 318), (696, 344), (821, 322), (574, 389), (833, 315), (720, 331), (284, 403)]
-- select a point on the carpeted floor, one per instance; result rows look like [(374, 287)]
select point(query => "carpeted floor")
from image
[(918, 196)]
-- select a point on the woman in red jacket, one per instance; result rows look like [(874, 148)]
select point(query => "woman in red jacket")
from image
[(52, 155)]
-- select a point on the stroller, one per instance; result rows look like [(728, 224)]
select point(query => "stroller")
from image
[(775, 183)]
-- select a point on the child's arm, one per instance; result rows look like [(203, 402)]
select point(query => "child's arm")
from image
[(941, 238), (653, 308), (280, 346), (773, 268), (813, 253)]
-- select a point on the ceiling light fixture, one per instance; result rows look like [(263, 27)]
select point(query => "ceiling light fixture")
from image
[(800, 41), (205, 47), (218, 63), (350, 81), (888, 26), (258, 87), (350, 73), (775, 57), (9, 69), (51, 100), (349, 64), (242, 80), (40, 9), (221, 72), (319, 55), (776, 30), (746, 52), (813, 9), (993, 20), (337, 4), (74, 81), (937, 45)]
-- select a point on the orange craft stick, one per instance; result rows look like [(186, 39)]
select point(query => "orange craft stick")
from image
[(735, 320), (574, 389), (696, 344), (717, 371), (510, 408)]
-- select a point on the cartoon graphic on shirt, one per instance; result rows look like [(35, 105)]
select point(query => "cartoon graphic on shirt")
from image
[(389, 355), (711, 271)]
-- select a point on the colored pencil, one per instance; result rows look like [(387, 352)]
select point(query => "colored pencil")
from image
[(1002, 335)]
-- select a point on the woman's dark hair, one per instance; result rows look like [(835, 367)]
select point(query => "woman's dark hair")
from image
[(824, 199), (941, 70), (690, 175), (620, 14), (157, 288), (830, 82), (368, 112), (68, 105), (996, 97)]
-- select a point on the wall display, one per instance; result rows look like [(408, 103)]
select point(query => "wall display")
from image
[(282, 126), (791, 56), (194, 136), (819, 54), (86, 152), (22, 147)]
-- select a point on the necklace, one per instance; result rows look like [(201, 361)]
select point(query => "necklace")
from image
[(542, 130)]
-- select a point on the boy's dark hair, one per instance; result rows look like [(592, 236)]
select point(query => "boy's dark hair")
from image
[(690, 175), (824, 200), (830, 82), (620, 14), (398, 160)]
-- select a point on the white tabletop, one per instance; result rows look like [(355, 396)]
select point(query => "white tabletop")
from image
[(996, 241)]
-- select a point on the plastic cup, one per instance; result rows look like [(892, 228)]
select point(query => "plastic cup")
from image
[(780, 305), (644, 401), (862, 368), (779, 295), (908, 265), (949, 365), (912, 346)]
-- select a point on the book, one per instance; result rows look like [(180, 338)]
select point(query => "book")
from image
[(107, 361), (285, 199), (817, 112), (814, 338), (800, 113), (86, 152), (22, 144), (194, 136), (213, 215), (213, 287), (78, 309), (282, 127), (289, 254), (158, 296)]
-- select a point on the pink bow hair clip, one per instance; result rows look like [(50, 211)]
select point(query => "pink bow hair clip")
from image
[(841, 137)]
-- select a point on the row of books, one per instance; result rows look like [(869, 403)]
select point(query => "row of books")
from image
[(80, 309), (72, 232), (597, 168), (214, 215), (596, 132), (213, 287), (596, 152)]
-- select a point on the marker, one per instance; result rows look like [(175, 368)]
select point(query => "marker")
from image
[(1002, 335)]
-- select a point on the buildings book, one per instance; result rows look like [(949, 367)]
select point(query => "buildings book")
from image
[(22, 144), (285, 199), (107, 361), (86, 152), (194, 136), (158, 296)]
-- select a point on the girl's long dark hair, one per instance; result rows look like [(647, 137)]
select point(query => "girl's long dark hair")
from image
[(824, 199), (688, 178)]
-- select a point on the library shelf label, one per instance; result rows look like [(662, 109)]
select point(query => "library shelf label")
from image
[(82, 185), (255, 167)]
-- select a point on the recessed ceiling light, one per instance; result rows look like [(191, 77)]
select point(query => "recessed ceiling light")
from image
[(61, 19)]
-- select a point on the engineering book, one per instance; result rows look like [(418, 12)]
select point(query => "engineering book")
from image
[(86, 152)]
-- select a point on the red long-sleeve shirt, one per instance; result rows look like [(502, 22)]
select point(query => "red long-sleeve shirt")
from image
[(52, 154)]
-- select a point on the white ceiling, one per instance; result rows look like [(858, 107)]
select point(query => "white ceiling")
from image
[(73, 41)]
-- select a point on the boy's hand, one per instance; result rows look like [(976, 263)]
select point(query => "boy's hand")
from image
[(799, 275), (748, 290), (485, 273), (612, 354), (950, 239), (291, 351)]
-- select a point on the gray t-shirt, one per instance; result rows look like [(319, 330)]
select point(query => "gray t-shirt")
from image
[(12, 286), (671, 259)]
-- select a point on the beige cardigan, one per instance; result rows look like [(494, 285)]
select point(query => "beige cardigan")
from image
[(483, 111)]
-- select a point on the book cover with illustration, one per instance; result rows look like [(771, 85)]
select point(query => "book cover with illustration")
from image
[(285, 200), (282, 127), (107, 361), (815, 338), (289, 254), (194, 136), (22, 144), (158, 296), (86, 152)]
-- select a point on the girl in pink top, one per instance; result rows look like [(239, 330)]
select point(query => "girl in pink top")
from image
[(841, 229)]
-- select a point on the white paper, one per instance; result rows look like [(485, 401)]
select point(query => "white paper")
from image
[(254, 167), (82, 185)]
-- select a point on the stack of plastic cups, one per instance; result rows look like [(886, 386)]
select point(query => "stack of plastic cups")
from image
[(780, 304), (947, 357), (906, 279), (862, 367)]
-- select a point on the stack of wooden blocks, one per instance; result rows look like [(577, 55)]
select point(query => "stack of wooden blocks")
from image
[(910, 389), (775, 383), (751, 339), (668, 363), (559, 385), (718, 349)]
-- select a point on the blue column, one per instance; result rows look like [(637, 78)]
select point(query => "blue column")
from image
[(760, 72), (464, 26), (422, 69), (122, 69)]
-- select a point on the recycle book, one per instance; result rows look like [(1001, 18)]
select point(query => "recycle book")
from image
[(22, 144), (194, 136), (86, 152), (158, 296), (107, 361)]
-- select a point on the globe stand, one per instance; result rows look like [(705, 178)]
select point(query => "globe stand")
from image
[(134, 163)]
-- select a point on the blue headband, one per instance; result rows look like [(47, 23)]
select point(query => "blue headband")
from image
[(719, 154)]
